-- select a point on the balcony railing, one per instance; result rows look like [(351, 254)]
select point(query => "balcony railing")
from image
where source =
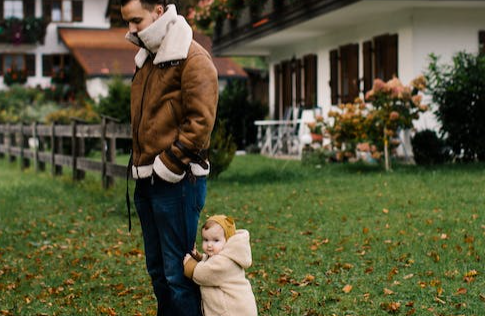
[(255, 21), (26, 31)]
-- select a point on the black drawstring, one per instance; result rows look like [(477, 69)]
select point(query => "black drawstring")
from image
[(128, 204)]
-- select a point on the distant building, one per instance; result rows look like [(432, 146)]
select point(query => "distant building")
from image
[(72, 42)]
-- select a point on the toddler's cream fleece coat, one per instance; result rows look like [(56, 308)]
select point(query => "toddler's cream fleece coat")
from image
[(223, 284)]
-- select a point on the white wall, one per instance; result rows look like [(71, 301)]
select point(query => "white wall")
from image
[(420, 32), (93, 17)]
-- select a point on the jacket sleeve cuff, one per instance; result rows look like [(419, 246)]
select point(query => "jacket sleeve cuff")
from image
[(164, 173), (189, 268), (198, 171)]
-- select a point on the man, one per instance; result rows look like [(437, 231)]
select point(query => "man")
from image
[(174, 97)]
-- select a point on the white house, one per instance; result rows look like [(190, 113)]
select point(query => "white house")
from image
[(73, 42), (324, 52), (44, 56)]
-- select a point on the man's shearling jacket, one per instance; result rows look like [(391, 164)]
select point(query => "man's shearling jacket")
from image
[(174, 97)]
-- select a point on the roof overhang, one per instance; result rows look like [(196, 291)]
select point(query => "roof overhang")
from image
[(100, 52), (315, 21)]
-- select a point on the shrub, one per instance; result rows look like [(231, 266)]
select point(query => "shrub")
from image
[(459, 93), (221, 151), (428, 148), (21, 104), (117, 103), (238, 114)]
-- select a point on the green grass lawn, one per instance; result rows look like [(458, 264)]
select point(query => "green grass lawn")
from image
[(337, 240)]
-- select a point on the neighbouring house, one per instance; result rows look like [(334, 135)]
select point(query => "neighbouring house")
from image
[(29, 41), (325, 52), (72, 42)]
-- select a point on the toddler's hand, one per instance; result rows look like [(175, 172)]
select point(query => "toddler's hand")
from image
[(186, 258)]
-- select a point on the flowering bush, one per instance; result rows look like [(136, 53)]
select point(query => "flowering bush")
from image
[(13, 75), (209, 12), (373, 126)]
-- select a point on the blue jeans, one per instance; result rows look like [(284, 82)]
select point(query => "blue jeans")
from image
[(169, 214)]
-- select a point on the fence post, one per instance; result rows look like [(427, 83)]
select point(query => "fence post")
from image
[(35, 145), (73, 150), (24, 162), (56, 170), (108, 152), (10, 143)]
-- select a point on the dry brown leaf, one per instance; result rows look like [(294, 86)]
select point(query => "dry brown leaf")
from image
[(461, 291), (347, 288), (388, 292)]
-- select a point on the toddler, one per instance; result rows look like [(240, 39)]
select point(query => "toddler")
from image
[(220, 270)]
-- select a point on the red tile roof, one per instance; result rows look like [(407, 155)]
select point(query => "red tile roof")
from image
[(102, 52)]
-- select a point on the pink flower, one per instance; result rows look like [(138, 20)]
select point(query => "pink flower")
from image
[(379, 86), (416, 99), (394, 115)]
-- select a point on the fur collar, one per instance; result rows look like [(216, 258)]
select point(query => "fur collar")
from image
[(169, 38)]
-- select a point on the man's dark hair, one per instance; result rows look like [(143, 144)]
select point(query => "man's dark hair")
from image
[(147, 4)]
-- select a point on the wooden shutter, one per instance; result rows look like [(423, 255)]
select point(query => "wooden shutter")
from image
[(30, 64), (349, 72), (481, 42), (1, 62), (334, 76), (367, 58), (47, 9), (77, 10), (287, 88), (29, 8), (277, 90), (391, 59), (298, 78), (1, 11), (47, 65), (380, 56), (310, 64)]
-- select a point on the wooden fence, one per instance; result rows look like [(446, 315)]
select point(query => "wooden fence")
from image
[(65, 145)]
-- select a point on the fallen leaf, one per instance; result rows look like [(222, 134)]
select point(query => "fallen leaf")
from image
[(347, 288), (388, 292), (461, 291)]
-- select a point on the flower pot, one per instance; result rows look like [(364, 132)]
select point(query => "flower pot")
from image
[(317, 138)]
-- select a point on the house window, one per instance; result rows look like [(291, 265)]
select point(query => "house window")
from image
[(13, 9), (295, 85), (17, 62), (63, 10), (380, 56), (481, 42), (56, 65), (344, 73)]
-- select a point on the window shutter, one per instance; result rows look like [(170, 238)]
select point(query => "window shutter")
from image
[(334, 78), (287, 88), (29, 8), (30, 64), (481, 42), (47, 9), (277, 90), (367, 56), (46, 65), (349, 72), (1, 10), (1, 62), (391, 52), (310, 64), (77, 11), (379, 57), (298, 78)]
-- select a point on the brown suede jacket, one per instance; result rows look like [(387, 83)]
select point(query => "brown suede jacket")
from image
[(172, 101)]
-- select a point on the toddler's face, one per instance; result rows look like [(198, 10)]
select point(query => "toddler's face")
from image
[(213, 240)]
